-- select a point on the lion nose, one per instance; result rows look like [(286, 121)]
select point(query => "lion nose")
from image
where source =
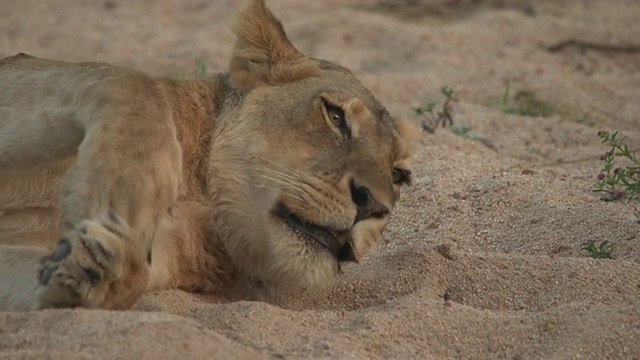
[(367, 205)]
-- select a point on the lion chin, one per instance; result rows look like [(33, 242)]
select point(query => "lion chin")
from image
[(117, 182)]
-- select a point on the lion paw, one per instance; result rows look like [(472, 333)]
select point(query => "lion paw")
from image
[(87, 263)]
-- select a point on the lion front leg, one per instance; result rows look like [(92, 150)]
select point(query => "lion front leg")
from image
[(124, 181), (125, 177)]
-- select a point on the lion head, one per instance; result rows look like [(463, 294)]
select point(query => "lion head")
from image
[(306, 165)]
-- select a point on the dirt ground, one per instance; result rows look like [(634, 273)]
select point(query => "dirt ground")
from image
[(482, 258)]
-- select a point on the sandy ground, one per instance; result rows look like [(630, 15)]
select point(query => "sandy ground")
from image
[(482, 258)]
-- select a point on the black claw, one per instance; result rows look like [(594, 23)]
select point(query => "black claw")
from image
[(63, 250), (113, 217), (45, 276), (149, 258), (93, 275), (96, 250)]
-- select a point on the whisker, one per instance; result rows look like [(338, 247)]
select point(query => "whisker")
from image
[(285, 184), (280, 174), (278, 177), (286, 177), (284, 192), (290, 171)]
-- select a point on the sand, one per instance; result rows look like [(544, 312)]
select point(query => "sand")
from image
[(481, 259)]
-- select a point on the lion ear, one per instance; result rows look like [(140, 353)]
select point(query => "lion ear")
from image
[(263, 55)]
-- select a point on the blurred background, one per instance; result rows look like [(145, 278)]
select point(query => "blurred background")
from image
[(412, 46)]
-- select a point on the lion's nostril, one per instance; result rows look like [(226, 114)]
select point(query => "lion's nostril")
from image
[(368, 206), (345, 253), (359, 194)]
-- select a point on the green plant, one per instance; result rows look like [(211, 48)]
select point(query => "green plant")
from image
[(463, 130), (525, 103), (426, 108), (505, 95), (618, 182), (200, 71), (602, 251), (432, 118), (201, 67)]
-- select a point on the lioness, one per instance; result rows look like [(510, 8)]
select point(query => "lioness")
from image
[(280, 169)]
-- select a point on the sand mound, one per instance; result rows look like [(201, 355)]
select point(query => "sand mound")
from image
[(482, 258)]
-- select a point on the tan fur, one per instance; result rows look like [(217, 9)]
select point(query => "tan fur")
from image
[(113, 182)]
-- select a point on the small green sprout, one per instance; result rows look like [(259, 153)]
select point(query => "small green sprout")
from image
[(618, 181), (601, 251)]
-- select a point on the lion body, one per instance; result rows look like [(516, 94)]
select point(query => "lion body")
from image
[(113, 182)]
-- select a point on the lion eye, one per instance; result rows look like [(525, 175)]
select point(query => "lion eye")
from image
[(401, 176), (336, 115), (337, 118)]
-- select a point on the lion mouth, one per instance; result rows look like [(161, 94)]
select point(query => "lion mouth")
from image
[(317, 235)]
